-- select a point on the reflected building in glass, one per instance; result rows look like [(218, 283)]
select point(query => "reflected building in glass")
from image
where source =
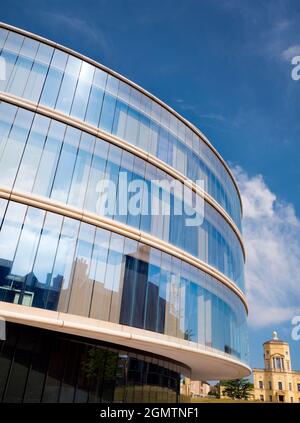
[(105, 307)]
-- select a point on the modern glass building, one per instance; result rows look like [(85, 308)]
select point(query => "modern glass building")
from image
[(104, 305)]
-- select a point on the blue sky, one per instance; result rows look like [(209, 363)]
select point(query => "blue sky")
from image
[(225, 66)]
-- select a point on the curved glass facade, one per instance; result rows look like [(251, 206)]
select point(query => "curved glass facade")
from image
[(58, 253), (58, 263), (42, 74), (50, 159), (104, 373)]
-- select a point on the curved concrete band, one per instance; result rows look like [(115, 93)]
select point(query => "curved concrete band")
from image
[(205, 362)]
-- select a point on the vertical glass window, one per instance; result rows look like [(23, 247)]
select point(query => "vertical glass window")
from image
[(120, 119), (3, 36), (162, 297), (48, 163), (170, 318), (10, 231), (81, 170), (114, 274), (100, 299), (10, 53), (63, 266), (138, 172), (82, 90), (126, 168), (66, 164), (3, 205), (28, 242), (32, 154), (13, 150), (54, 78), (38, 73), (22, 67), (152, 302), (54, 371), (94, 106), (97, 173), (68, 85), (7, 116), (40, 281), (82, 284), (109, 104), (132, 126), (112, 174), (19, 369)]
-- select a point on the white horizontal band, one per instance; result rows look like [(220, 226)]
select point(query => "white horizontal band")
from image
[(206, 363)]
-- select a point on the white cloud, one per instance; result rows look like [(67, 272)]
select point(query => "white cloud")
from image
[(290, 52), (271, 232)]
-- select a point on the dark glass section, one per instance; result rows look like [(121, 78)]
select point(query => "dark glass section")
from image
[(38, 365)]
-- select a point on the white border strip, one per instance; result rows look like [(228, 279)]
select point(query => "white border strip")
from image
[(205, 362)]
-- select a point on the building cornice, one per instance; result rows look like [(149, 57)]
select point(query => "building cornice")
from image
[(290, 372)]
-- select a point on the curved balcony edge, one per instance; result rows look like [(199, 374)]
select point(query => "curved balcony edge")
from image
[(205, 363)]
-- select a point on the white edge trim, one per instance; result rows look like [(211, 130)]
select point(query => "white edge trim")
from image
[(204, 362)]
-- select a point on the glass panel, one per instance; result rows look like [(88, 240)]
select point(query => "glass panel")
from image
[(48, 163), (81, 171), (3, 36), (54, 78), (22, 67), (96, 98), (68, 85), (38, 73), (10, 53), (7, 116), (40, 281), (21, 271), (100, 304), (97, 173), (64, 264), (82, 91), (82, 285), (13, 150), (32, 154), (66, 164)]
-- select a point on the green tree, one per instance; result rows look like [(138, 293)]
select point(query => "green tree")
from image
[(215, 391), (237, 388)]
